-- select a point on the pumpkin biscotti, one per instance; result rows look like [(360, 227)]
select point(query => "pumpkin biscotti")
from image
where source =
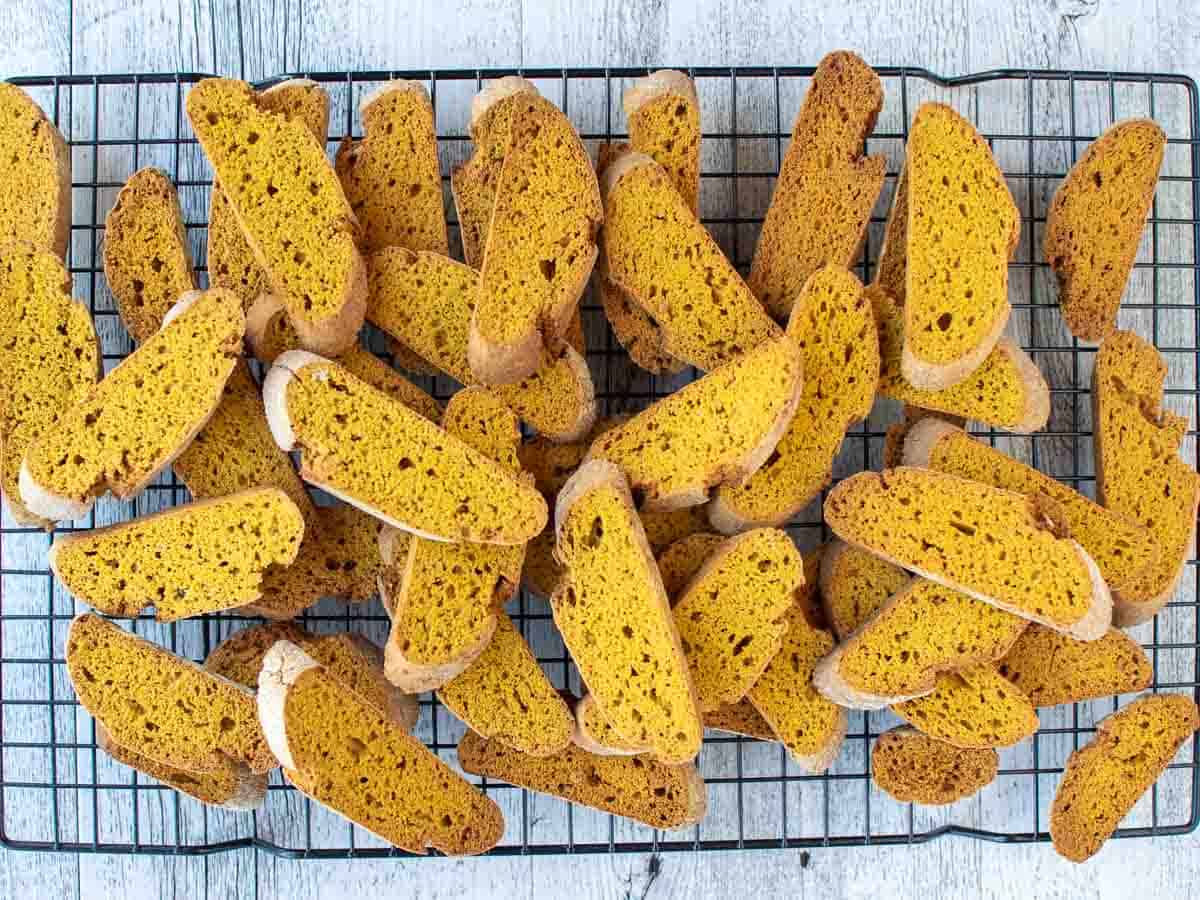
[(126, 429), (35, 167), (1051, 668), (339, 749), (286, 196), (995, 545), (915, 768), (1104, 779), (826, 189), (1139, 473), (664, 258), (962, 228), (615, 618), (438, 487), (834, 325), (49, 358), (720, 428), (1095, 223)]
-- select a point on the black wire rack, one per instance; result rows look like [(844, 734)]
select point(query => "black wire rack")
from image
[(58, 792)]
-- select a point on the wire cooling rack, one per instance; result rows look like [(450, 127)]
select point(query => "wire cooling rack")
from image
[(58, 792)]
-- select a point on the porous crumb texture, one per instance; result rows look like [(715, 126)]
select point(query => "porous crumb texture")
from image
[(147, 263), (1095, 222), (1121, 548), (893, 439), (732, 616), (231, 262), (1052, 668), (891, 267), (35, 169), (161, 705), (438, 485), (364, 765), (915, 768), (719, 428), (636, 787), (595, 730), (666, 127), (972, 708), (614, 617), (541, 573), (980, 538), (48, 358), (374, 371), (681, 560), (1139, 473), (826, 187), (962, 227), (665, 527), (240, 656), (126, 428), (739, 718), (193, 559), (391, 175), (1105, 778), (854, 586), (505, 696), (269, 332), (551, 463), (664, 258), (834, 325)]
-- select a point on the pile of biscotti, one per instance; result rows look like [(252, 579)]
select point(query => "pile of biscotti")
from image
[(963, 589)]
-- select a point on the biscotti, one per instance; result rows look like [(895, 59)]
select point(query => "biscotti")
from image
[(594, 734), (1121, 548), (147, 263), (440, 488), (740, 718), (720, 428), (551, 463), (391, 176), (614, 616), (1051, 668), (364, 364), (638, 787), (962, 227), (126, 429), (49, 358), (425, 300), (915, 768), (893, 439), (1095, 222), (340, 750), (681, 560), (826, 188), (1105, 778), (995, 545), (707, 314), (1138, 470), (161, 705), (834, 325), (35, 165), (286, 196), (541, 243), (854, 586)]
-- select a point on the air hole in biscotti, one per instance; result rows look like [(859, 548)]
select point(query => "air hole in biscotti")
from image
[(547, 267), (944, 321), (252, 137), (963, 529)]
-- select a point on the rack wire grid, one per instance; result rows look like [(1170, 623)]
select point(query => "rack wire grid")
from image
[(59, 793)]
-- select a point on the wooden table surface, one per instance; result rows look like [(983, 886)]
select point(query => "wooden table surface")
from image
[(258, 40)]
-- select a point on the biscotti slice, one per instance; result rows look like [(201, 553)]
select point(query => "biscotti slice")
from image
[(342, 751), (720, 428), (915, 768), (374, 371), (614, 616), (638, 788), (1138, 470), (230, 786), (1104, 779), (436, 486), (854, 586), (681, 560), (444, 598), (892, 266), (1006, 391), (834, 325), (594, 734), (286, 196), (425, 300), (826, 187), (664, 258), (185, 561), (551, 463), (1121, 548), (391, 175), (1095, 223), (49, 358), (962, 227), (995, 545), (122, 432), (740, 718), (505, 696), (161, 705), (35, 168), (893, 439), (1052, 668), (541, 243)]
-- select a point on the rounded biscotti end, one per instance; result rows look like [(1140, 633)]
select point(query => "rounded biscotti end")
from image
[(47, 505), (290, 84), (494, 92), (268, 331), (830, 684), (496, 362), (657, 84), (937, 376), (914, 768), (275, 385), (725, 517), (40, 158), (417, 678), (281, 667), (185, 302), (593, 734), (1095, 623), (335, 334), (592, 474), (921, 438), (1036, 408), (819, 762), (586, 407), (390, 87), (619, 164)]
